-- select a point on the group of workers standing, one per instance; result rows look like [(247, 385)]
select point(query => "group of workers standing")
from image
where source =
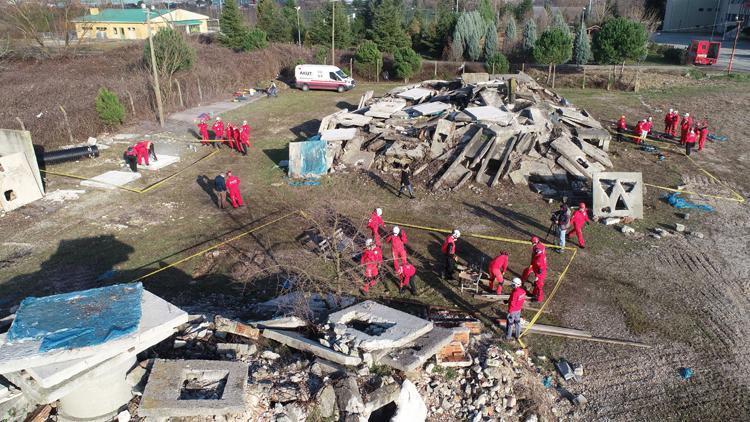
[(236, 137), (228, 184), (139, 154), (691, 132)]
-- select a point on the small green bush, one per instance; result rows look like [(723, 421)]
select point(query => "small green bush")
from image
[(674, 55), (497, 63), (255, 39), (321, 55), (367, 59), (109, 108), (406, 62)]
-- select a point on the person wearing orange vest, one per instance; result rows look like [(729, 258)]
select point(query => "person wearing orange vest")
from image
[(449, 251), (233, 186), (515, 304), (622, 127), (229, 135), (397, 239), (538, 266), (370, 260), (497, 269), (203, 129), (405, 273), (577, 220)]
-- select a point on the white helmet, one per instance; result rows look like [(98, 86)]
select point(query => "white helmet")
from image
[(396, 230), (676, 111), (218, 118), (368, 242), (670, 110), (687, 114), (456, 233), (378, 211), (516, 282)]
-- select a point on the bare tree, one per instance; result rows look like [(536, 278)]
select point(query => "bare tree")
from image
[(38, 21), (637, 12)]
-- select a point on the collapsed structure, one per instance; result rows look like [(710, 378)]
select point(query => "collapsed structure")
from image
[(476, 129)]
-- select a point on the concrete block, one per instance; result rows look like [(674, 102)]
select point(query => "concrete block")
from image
[(575, 156), (375, 326), (338, 134), (18, 185), (164, 161), (111, 179), (429, 109), (348, 396), (413, 355), (490, 114), (12, 141), (411, 406), (236, 350), (384, 108), (184, 388), (283, 322), (415, 94), (382, 397), (353, 119), (323, 368), (617, 194), (297, 341), (235, 327), (474, 78)]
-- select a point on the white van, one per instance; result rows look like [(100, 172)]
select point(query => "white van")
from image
[(318, 76)]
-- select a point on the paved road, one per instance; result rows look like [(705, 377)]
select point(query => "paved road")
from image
[(741, 56)]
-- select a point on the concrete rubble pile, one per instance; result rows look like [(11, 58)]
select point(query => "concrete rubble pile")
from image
[(454, 132)]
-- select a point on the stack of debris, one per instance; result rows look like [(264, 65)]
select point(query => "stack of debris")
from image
[(454, 132)]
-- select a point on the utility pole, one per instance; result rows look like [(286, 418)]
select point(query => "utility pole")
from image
[(734, 46), (157, 90), (333, 33), (299, 37)]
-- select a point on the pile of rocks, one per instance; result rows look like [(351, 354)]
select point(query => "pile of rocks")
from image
[(478, 129)]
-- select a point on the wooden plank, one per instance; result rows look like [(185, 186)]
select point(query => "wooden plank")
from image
[(587, 337)]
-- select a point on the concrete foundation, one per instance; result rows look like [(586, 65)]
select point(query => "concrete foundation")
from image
[(184, 388), (375, 326), (164, 161), (111, 179)]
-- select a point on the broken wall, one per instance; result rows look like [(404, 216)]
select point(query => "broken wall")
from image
[(20, 180)]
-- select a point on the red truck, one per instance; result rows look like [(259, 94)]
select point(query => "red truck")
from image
[(703, 52)]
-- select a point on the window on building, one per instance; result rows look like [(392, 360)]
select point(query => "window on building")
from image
[(700, 9), (114, 30)]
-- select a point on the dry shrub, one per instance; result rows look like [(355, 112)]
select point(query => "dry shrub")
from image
[(34, 90)]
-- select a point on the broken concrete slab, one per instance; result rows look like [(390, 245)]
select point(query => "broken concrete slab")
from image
[(414, 354), (474, 78), (325, 400), (384, 108), (185, 388), (617, 194), (111, 179), (18, 185), (329, 122), (382, 397), (410, 405), (323, 368), (348, 396), (405, 150), (491, 97), (352, 119), (332, 135), (429, 109), (164, 161), (415, 94), (289, 322), (236, 350), (298, 341), (235, 327), (490, 114), (13, 141), (596, 153), (377, 326), (365, 98), (575, 156)]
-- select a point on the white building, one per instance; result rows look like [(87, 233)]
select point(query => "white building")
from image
[(705, 15)]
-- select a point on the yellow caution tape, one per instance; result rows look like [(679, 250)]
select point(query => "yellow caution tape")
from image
[(210, 248), (144, 190)]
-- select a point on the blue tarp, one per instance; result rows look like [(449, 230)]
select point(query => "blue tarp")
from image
[(307, 159), (676, 201), (79, 319)]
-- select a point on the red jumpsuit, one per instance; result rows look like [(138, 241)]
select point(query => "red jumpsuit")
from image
[(497, 267), (370, 259), (577, 220), (647, 126), (233, 186), (407, 271), (667, 122), (621, 124), (638, 131), (218, 128), (203, 129), (516, 300), (703, 134), (245, 136), (230, 136), (141, 150), (675, 123), (236, 137), (397, 248), (374, 224), (684, 129), (539, 267)]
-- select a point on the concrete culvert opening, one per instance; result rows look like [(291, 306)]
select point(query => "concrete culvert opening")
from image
[(203, 385), (9, 195), (384, 414), (369, 328)]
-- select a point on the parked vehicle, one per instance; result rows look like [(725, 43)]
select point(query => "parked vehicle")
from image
[(703, 52), (317, 76)]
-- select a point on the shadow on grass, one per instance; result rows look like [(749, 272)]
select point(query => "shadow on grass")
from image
[(277, 154), (307, 129)]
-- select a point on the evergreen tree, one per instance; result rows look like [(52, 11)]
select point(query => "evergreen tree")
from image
[(406, 62), (619, 40), (289, 12), (553, 47), (558, 22), (319, 32), (255, 39), (172, 52), (414, 29), (445, 24), (490, 41), (497, 63), (273, 22), (523, 9), (367, 59), (581, 46), (467, 38), (487, 11), (359, 23), (109, 108), (529, 35), (510, 30), (386, 27), (233, 30)]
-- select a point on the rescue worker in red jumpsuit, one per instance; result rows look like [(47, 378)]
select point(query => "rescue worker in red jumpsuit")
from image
[(538, 266), (675, 123), (203, 129), (690, 141), (622, 127), (375, 223), (702, 134), (218, 129), (244, 137), (639, 131), (577, 221), (236, 137), (405, 273), (497, 269), (145, 149), (668, 121), (230, 136), (233, 186), (131, 158), (370, 260), (397, 239), (515, 304), (685, 125), (449, 251)]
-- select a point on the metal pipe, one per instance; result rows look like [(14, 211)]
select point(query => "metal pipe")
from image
[(70, 154)]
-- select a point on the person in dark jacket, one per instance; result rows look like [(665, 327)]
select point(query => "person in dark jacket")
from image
[(406, 182), (220, 186), (560, 220), (131, 159)]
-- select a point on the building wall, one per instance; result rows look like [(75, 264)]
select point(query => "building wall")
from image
[(124, 31), (693, 15)]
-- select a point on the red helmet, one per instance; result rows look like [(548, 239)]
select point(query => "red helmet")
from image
[(534, 240)]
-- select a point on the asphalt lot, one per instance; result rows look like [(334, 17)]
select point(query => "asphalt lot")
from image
[(741, 56)]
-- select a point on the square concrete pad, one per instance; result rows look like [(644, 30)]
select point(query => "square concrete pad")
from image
[(170, 393), (395, 328), (111, 179), (164, 160), (490, 114)]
